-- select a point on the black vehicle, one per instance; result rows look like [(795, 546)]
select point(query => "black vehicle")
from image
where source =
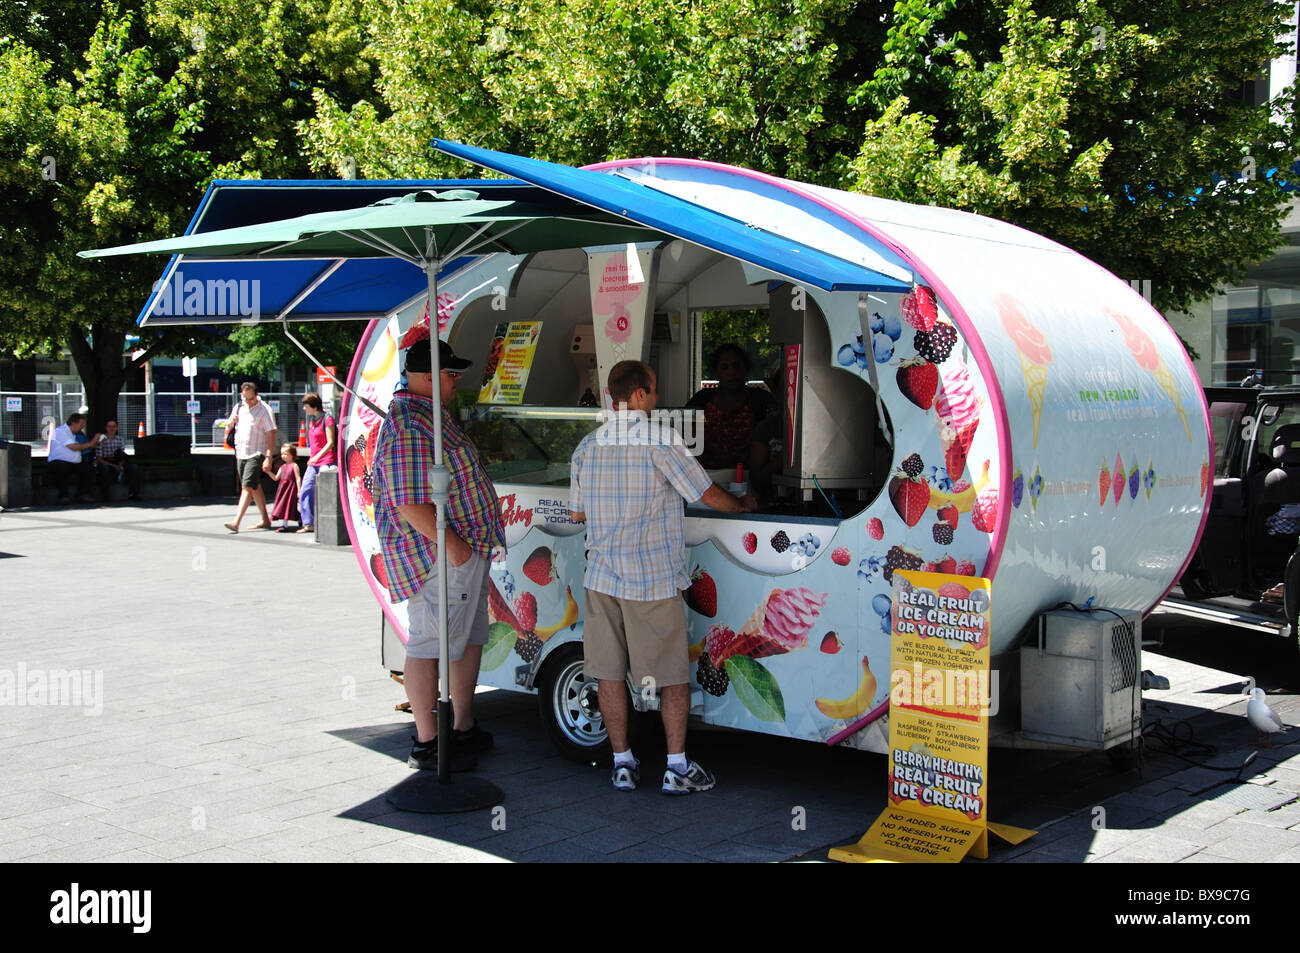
[(1245, 570)]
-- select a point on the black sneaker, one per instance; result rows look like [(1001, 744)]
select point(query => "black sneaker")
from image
[(424, 757), (474, 741)]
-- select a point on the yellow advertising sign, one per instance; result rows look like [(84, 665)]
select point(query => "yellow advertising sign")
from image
[(940, 699), (509, 360)]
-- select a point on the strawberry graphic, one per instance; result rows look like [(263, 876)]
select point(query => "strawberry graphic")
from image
[(377, 570), (702, 596), (356, 463), (910, 496), (984, 514), (946, 565), (1103, 482), (540, 566), (918, 380), (876, 528), (841, 556), (750, 542), (831, 643), (948, 513)]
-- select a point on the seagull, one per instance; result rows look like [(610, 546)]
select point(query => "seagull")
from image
[(1264, 718)]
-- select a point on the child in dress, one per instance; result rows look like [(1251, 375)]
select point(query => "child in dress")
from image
[(288, 478)]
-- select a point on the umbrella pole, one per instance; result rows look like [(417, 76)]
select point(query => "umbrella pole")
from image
[(422, 794)]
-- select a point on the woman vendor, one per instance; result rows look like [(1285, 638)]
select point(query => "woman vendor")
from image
[(731, 410)]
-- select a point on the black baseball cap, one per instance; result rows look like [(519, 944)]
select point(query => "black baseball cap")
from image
[(417, 358)]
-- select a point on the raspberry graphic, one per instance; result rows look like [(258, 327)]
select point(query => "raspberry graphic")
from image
[(942, 533), (876, 528), (712, 680), (841, 556), (965, 568), (914, 466), (900, 558), (526, 612), (528, 647), (936, 344), (780, 542), (751, 543)]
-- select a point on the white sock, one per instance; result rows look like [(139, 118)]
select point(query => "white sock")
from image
[(624, 758), (678, 762)]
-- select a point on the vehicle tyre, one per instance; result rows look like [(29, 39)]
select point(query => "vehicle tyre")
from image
[(570, 708)]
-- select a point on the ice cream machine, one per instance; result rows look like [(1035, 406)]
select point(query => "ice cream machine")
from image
[(828, 416)]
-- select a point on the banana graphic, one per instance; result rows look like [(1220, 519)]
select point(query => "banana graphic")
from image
[(374, 374), (857, 703), (570, 616), (963, 500)]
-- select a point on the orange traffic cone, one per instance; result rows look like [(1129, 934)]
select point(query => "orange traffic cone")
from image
[(302, 433), (139, 432)]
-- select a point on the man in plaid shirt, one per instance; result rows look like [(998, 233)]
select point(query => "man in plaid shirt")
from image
[(629, 478), (112, 465), (406, 519)]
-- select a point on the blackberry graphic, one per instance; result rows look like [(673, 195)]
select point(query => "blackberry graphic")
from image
[(712, 680), (935, 345), (914, 466), (900, 558), (942, 533), (368, 481), (361, 442), (528, 647), (780, 542)]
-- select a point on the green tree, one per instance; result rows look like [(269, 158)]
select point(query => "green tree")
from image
[(113, 119), (1105, 126)]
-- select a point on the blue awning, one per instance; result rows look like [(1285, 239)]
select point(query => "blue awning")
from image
[(676, 216)]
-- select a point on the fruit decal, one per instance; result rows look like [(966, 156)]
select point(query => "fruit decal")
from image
[(918, 380), (984, 516), (702, 596), (1205, 476), (1149, 479), (381, 360), (875, 528), (359, 460), (1035, 487), (778, 625), (1017, 488), (919, 308), (1118, 486), (540, 566), (750, 542), (1103, 482), (846, 709), (900, 557), (526, 612), (909, 491), (936, 344), (378, 571), (1134, 481), (1031, 346), (831, 643), (962, 494), (841, 556)]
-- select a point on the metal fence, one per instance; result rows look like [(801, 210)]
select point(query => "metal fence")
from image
[(30, 416)]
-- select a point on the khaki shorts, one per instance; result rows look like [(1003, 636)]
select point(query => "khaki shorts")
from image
[(646, 638), (250, 472), (467, 615)]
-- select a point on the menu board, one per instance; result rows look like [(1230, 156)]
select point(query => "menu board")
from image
[(510, 358)]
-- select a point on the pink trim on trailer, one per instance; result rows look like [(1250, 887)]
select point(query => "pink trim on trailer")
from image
[(941, 291), (380, 594)]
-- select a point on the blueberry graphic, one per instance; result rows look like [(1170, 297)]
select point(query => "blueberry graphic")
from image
[(880, 604), (877, 322), (858, 346), (882, 347), (893, 326), (846, 356), (884, 624), (815, 540), (862, 360), (1017, 489)]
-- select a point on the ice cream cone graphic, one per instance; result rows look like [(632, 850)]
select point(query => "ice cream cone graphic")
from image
[(1148, 358), (779, 624), (1033, 350), (957, 408)]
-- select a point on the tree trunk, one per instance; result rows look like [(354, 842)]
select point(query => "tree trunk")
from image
[(103, 370)]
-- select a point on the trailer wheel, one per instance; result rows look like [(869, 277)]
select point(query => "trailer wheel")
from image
[(570, 708)]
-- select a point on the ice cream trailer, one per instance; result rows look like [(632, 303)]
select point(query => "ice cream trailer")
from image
[(953, 394)]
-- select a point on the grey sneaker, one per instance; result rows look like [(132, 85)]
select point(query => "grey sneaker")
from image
[(625, 776), (695, 779)]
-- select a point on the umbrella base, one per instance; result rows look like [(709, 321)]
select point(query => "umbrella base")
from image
[(423, 793)]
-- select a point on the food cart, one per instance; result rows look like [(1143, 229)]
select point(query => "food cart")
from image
[(955, 394)]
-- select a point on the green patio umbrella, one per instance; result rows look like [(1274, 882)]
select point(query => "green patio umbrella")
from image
[(426, 229)]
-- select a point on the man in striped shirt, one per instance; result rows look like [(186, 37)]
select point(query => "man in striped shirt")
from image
[(629, 478), (406, 518)]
